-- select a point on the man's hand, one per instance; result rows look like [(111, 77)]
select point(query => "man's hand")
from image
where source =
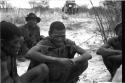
[(116, 51), (108, 52), (120, 52), (65, 62)]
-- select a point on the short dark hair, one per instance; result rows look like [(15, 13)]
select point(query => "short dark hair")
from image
[(118, 26), (8, 31), (57, 25)]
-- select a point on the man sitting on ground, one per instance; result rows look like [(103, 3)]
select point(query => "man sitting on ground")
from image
[(58, 53), (10, 44), (111, 52), (31, 34)]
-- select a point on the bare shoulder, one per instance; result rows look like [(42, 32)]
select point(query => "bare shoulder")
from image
[(109, 43), (45, 41), (42, 45), (111, 40)]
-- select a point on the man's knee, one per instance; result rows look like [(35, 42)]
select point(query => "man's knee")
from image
[(43, 69), (82, 66), (77, 70), (106, 59)]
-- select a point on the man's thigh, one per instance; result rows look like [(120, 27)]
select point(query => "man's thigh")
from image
[(79, 68), (115, 61), (115, 58), (37, 73), (112, 64)]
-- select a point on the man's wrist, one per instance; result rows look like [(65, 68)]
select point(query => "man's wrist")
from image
[(54, 59), (72, 62)]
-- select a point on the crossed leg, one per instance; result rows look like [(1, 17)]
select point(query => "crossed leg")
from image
[(76, 71), (112, 63)]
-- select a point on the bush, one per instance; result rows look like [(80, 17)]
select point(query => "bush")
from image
[(19, 20), (83, 9), (107, 17)]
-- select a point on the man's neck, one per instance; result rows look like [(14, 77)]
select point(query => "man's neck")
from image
[(56, 44)]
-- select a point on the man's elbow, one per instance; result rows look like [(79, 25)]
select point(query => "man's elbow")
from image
[(30, 53), (89, 56), (99, 51)]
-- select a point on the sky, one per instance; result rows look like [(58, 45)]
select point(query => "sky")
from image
[(52, 3)]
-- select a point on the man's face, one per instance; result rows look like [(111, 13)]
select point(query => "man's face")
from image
[(58, 37), (14, 45), (33, 21)]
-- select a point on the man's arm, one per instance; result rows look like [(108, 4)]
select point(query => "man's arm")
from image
[(107, 50), (5, 77), (115, 58), (85, 56), (35, 54)]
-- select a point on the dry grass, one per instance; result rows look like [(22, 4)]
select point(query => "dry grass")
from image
[(16, 16)]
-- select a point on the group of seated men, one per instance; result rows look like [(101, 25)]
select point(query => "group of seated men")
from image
[(52, 58)]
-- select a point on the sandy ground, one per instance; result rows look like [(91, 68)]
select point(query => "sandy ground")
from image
[(82, 34)]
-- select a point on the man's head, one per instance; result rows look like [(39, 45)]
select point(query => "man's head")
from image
[(31, 17), (10, 37), (57, 33), (118, 29)]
